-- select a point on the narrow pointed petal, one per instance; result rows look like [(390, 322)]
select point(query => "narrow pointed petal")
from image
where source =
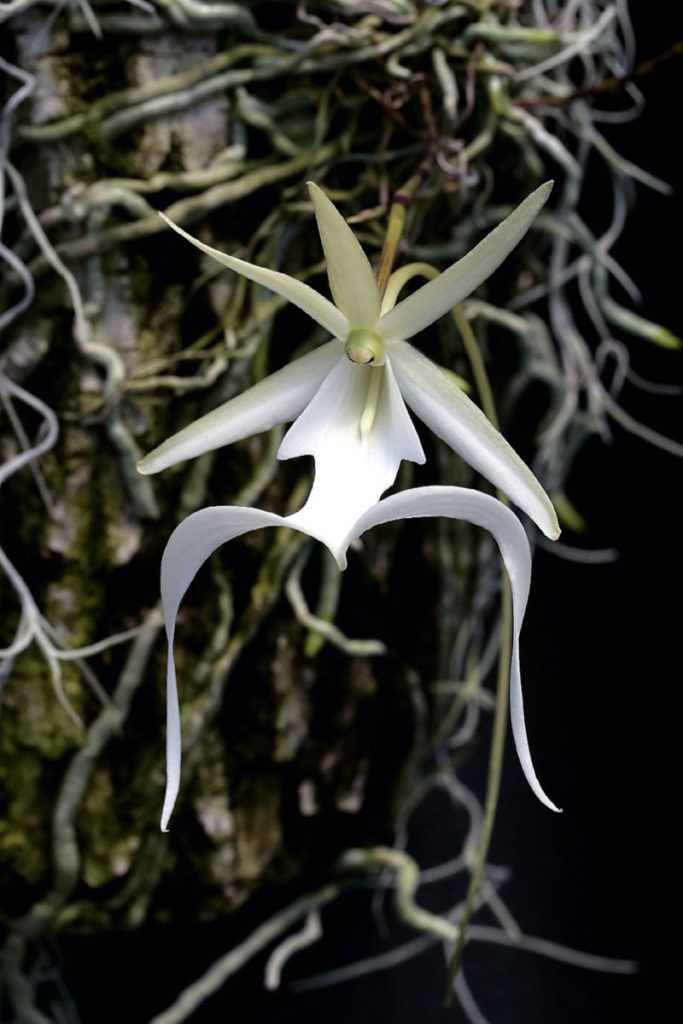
[(436, 297), (188, 547), (451, 415), (352, 281), (358, 430), (275, 399), (508, 532), (302, 295)]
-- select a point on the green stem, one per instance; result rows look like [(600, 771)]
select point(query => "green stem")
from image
[(483, 386), (503, 689), (492, 783), (474, 356), (397, 219), (397, 212)]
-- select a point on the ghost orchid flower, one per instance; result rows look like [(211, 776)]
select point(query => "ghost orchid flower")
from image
[(348, 402), (348, 398)]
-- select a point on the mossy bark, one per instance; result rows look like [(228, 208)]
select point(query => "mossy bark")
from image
[(290, 758)]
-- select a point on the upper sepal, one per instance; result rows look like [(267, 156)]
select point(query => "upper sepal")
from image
[(352, 281)]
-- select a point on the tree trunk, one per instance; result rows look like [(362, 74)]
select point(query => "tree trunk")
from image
[(295, 749)]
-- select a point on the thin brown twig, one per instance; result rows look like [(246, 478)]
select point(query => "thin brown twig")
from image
[(606, 85)]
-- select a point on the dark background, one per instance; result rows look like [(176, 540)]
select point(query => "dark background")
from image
[(601, 666)]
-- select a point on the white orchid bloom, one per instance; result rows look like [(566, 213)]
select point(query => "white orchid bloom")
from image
[(347, 400), (348, 397)]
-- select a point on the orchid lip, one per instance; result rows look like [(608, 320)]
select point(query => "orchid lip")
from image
[(206, 530)]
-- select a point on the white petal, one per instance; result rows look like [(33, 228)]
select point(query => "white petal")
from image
[(451, 415), (352, 281), (436, 297), (508, 532), (275, 399), (358, 430), (302, 295), (188, 547)]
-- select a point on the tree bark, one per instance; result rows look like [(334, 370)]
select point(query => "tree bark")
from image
[(295, 750)]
